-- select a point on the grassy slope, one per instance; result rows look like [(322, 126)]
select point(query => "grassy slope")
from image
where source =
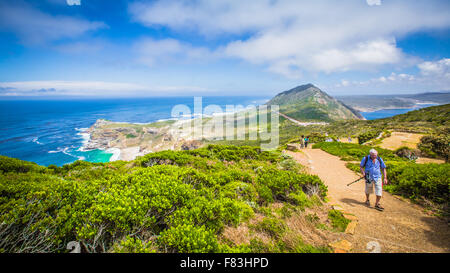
[(163, 202), (430, 120)]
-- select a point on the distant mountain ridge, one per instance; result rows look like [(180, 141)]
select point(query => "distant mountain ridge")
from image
[(368, 103), (308, 102)]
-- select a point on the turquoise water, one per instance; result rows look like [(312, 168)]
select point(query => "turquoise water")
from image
[(385, 113), (52, 131)]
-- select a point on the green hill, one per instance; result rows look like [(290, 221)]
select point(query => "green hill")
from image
[(307, 102), (433, 121), (170, 201)]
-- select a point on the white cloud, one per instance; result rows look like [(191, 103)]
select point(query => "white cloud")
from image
[(345, 83), (432, 76), (73, 2), (152, 52), (90, 88), (373, 2), (35, 27), (289, 37), (365, 54), (441, 68)]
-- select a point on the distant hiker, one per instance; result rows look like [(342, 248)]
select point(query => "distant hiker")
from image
[(349, 140), (371, 166), (302, 141), (306, 141)]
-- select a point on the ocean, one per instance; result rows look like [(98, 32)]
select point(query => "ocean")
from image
[(385, 113), (53, 131)]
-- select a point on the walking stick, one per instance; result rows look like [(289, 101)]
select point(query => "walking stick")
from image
[(356, 180)]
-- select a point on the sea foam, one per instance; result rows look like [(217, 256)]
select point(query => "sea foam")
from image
[(115, 154)]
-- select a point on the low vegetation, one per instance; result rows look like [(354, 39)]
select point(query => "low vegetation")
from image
[(170, 201), (369, 135), (338, 221), (354, 152), (437, 145), (433, 120)]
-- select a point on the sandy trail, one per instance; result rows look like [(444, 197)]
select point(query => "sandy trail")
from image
[(401, 227), (399, 139)]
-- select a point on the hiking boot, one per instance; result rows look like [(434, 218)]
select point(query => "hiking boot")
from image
[(379, 207), (367, 203)]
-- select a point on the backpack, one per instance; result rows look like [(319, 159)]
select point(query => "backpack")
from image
[(366, 159)]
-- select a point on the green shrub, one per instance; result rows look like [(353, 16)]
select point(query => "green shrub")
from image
[(301, 247), (313, 218), (354, 152), (258, 246), (406, 152), (271, 226), (430, 181), (300, 199), (8, 164), (338, 221), (436, 146), (133, 245), (366, 136), (188, 239), (168, 195)]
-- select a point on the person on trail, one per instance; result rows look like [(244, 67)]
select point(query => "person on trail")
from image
[(306, 141), (302, 141), (371, 166)]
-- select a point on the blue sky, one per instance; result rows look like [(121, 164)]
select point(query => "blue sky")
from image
[(223, 47)]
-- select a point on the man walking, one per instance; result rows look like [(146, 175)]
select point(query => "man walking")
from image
[(302, 142), (371, 167)]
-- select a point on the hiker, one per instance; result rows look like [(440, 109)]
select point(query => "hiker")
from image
[(372, 165), (349, 139), (306, 141), (302, 142)]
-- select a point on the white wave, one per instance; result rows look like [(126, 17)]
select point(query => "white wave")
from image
[(61, 150), (35, 140), (64, 151), (86, 137), (166, 119), (115, 152)]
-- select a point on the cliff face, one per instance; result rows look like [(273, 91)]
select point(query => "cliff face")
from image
[(307, 102), (136, 139)]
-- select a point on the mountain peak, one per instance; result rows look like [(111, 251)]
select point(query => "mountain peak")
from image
[(308, 102), (299, 88)]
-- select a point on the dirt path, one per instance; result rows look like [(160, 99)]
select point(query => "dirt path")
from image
[(401, 227), (399, 139)]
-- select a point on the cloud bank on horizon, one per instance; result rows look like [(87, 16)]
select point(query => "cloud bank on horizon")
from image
[(245, 47)]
